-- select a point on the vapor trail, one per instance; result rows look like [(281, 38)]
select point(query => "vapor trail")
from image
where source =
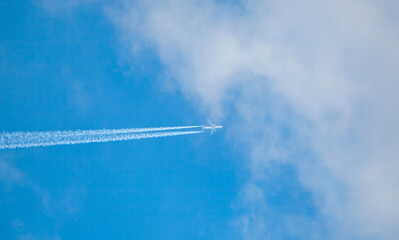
[(49, 138), (101, 131)]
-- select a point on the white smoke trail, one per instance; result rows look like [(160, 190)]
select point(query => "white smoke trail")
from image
[(100, 131), (36, 139)]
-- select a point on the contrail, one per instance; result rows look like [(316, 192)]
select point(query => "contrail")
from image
[(51, 138), (104, 131)]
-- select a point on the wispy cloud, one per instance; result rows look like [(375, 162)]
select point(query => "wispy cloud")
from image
[(57, 207), (309, 76), (11, 175)]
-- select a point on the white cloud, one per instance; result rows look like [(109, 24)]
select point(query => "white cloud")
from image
[(327, 70)]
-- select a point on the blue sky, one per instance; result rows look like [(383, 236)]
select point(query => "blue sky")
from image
[(66, 72), (306, 93)]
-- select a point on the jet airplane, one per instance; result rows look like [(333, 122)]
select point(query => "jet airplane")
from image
[(211, 127)]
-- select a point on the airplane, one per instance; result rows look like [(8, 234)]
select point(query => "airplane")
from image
[(211, 126)]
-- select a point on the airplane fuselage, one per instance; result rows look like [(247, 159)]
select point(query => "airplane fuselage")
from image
[(211, 127), (215, 127)]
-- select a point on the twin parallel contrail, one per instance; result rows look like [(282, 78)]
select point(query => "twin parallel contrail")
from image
[(52, 138)]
